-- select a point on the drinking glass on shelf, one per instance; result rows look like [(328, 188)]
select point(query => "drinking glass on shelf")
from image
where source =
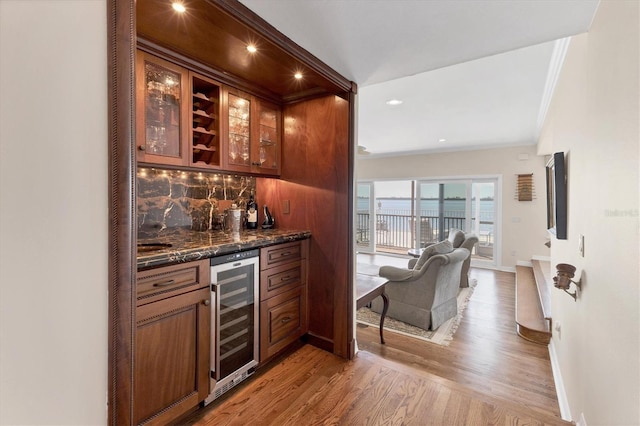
[(152, 139)]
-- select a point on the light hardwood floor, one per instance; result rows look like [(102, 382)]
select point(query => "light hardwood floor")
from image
[(487, 375)]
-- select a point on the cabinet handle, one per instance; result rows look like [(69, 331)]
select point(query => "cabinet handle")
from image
[(164, 283), (286, 253), (142, 147), (285, 278), (206, 302), (286, 320)]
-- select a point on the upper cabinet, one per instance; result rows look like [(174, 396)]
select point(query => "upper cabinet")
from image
[(269, 146), (178, 115), (186, 119), (252, 133), (161, 108)]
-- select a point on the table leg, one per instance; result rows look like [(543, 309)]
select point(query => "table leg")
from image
[(385, 306)]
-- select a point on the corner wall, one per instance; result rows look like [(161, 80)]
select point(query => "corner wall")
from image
[(53, 212), (594, 119), (523, 222)]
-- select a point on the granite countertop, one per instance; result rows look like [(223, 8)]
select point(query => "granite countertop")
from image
[(187, 245)]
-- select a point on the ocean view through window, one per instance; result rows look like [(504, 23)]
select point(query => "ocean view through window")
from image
[(387, 211)]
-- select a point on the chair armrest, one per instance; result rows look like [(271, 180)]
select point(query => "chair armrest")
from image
[(412, 263), (396, 274)]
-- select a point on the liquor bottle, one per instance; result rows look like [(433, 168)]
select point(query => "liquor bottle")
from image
[(252, 214)]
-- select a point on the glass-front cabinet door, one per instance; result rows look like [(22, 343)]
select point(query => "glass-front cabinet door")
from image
[(267, 157), (239, 131), (160, 110), (252, 134)]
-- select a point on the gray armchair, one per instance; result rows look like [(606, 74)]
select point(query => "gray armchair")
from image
[(470, 240), (459, 239), (424, 297)]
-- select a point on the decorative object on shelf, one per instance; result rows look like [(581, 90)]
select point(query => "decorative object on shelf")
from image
[(252, 213), (269, 221), (563, 279), (525, 190), (557, 196)]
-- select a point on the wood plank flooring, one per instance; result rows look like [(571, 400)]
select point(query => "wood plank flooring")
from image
[(487, 375)]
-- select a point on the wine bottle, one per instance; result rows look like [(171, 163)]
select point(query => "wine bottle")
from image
[(252, 214)]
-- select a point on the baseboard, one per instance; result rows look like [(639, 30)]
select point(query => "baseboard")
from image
[(563, 402), (581, 421), (319, 342)]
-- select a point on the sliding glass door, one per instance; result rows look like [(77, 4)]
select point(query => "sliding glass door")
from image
[(441, 206), (395, 216), (364, 218), (468, 205), (484, 211)]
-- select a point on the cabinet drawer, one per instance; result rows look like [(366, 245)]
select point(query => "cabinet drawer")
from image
[(279, 254), (159, 283), (283, 319), (281, 278)]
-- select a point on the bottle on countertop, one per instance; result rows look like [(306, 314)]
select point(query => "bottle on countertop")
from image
[(252, 214), (269, 221)]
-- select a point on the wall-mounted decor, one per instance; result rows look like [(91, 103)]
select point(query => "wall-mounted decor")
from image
[(525, 190), (557, 196), (564, 278)]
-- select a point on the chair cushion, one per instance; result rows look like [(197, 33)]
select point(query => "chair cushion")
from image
[(443, 247), (456, 237)]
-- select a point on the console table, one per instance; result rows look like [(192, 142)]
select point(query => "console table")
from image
[(368, 287)]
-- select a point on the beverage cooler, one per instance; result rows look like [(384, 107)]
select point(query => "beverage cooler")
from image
[(234, 320)]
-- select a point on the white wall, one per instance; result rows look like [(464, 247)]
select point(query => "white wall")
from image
[(524, 222), (594, 118), (53, 212)]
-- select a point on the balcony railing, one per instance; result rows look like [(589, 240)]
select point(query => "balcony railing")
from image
[(396, 232)]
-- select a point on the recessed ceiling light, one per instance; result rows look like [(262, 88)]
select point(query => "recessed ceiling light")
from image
[(251, 48), (442, 140), (298, 75), (394, 102), (178, 7)]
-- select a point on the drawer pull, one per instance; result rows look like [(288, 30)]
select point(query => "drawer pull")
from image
[(164, 283), (206, 302), (285, 278), (286, 253), (286, 320)]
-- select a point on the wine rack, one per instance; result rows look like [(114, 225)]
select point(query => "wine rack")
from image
[(205, 140)]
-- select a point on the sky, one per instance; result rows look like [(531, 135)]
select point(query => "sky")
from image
[(402, 188)]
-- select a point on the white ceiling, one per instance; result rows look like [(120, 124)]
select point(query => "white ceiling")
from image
[(473, 72)]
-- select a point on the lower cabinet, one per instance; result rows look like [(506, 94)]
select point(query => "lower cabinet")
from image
[(172, 342), (283, 296)]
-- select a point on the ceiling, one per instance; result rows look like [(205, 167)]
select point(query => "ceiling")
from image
[(476, 73)]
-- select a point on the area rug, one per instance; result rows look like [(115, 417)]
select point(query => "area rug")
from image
[(443, 335)]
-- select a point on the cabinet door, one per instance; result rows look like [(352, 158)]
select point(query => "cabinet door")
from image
[(161, 109), (283, 319), (171, 356), (266, 153), (238, 119)]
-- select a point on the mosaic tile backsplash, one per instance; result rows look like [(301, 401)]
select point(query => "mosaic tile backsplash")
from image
[(192, 200)]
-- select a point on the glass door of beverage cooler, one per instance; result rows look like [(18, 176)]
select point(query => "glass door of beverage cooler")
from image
[(234, 318)]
